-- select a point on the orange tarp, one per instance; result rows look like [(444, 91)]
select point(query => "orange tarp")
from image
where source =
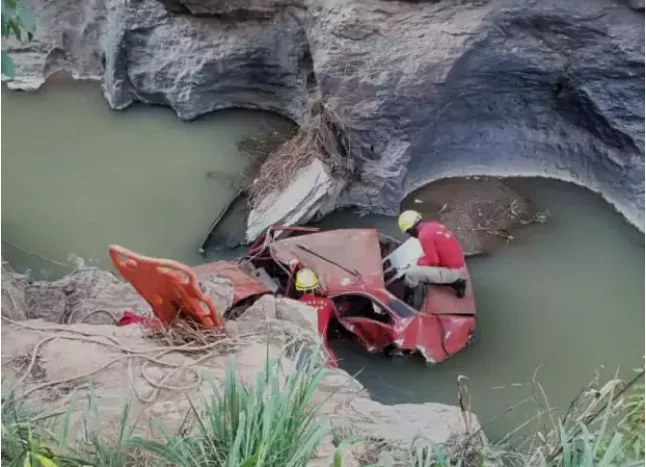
[(170, 287)]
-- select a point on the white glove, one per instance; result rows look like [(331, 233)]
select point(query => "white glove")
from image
[(410, 282)]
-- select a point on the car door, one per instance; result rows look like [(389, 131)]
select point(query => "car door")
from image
[(366, 318)]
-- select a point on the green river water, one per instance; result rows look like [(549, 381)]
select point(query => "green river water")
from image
[(566, 298), (563, 301), (77, 177)]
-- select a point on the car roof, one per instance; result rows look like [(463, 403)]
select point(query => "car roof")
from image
[(343, 259)]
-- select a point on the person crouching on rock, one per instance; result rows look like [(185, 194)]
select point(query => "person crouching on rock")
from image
[(443, 260)]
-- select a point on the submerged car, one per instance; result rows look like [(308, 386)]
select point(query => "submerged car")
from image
[(360, 271)]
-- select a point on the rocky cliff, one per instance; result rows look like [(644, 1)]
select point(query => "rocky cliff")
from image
[(56, 358), (423, 90)]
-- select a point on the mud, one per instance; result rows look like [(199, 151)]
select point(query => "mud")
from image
[(483, 212)]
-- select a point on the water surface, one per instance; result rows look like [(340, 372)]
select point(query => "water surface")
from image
[(565, 299), (77, 177)]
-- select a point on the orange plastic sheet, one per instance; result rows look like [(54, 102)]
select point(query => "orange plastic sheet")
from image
[(170, 287)]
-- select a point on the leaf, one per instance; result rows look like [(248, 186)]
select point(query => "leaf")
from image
[(612, 452), (27, 19), (338, 452), (8, 68), (44, 461), (15, 27), (8, 7)]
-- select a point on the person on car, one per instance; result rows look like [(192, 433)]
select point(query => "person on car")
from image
[(310, 293), (308, 286), (443, 260)]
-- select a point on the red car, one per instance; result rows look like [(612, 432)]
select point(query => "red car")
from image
[(354, 271)]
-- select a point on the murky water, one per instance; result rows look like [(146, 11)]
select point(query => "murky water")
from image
[(565, 299), (77, 177)]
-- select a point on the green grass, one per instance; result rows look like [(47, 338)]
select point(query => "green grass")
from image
[(604, 427), (274, 422), (262, 424), (22, 443)]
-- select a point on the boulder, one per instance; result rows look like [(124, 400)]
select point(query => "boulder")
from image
[(89, 295), (312, 193), (86, 295), (424, 90)]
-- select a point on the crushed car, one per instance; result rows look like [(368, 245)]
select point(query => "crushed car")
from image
[(360, 270)]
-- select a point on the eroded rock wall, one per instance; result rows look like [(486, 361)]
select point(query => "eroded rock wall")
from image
[(558, 88), (424, 90)]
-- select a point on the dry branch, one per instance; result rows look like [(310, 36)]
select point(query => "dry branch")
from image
[(277, 158)]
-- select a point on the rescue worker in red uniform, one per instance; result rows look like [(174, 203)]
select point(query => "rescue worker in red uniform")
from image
[(307, 283), (443, 260)]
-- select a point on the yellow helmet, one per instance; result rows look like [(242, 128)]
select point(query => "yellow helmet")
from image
[(306, 280), (408, 220)]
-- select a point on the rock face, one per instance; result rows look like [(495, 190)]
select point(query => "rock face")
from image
[(424, 90), (312, 186), (558, 91)]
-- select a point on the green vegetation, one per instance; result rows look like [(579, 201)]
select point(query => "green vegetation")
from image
[(271, 422), (23, 434), (604, 426), (17, 21), (262, 424), (275, 422)]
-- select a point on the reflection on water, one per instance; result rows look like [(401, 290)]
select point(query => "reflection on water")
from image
[(563, 300), (77, 177)]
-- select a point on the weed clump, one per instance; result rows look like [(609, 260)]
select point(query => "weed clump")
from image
[(270, 422), (274, 421)]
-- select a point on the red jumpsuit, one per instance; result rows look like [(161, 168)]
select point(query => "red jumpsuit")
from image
[(324, 312), (441, 247)]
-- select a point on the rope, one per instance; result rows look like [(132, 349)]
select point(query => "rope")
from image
[(44, 258), (130, 354), (115, 342), (32, 362), (105, 312), (54, 328)]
